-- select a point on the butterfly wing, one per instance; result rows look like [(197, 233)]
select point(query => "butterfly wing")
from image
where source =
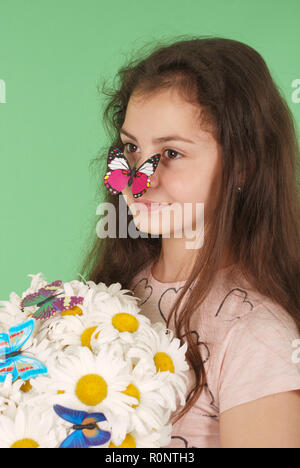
[(140, 185), (67, 302), (28, 367), (94, 436), (4, 346), (31, 300), (141, 181), (41, 295), (98, 417), (50, 289), (149, 166), (116, 179), (75, 440), (53, 286), (45, 311), (70, 415), (8, 367), (57, 305), (10, 343), (117, 160), (19, 334)]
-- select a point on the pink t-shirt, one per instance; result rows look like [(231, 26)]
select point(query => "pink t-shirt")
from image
[(246, 344)]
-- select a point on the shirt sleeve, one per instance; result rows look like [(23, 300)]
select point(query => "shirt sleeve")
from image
[(259, 357)]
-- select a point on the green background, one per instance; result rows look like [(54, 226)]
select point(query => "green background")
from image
[(53, 54)]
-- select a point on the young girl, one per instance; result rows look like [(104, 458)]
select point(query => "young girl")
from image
[(227, 139)]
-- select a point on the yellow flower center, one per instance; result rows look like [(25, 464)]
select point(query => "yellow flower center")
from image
[(91, 389), (87, 335), (125, 322), (131, 390), (163, 362), (25, 443), (60, 392), (73, 311), (128, 442), (26, 386)]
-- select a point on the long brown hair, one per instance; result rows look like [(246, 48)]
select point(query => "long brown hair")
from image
[(257, 133)]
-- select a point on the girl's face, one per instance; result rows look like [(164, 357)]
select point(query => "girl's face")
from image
[(189, 170)]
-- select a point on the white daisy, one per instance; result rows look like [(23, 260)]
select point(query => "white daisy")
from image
[(154, 439), (105, 296), (38, 281), (69, 330), (10, 312), (88, 382), (168, 359), (102, 356), (125, 323), (75, 288), (10, 395), (145, 386), (30, 428)]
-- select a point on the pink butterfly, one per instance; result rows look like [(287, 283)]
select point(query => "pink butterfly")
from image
[(120, 173)]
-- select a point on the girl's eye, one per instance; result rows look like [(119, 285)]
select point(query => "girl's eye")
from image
[(129, 144), (168, 149), (173, 151)]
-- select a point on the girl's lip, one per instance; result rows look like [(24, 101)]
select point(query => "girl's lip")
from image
[(150, 206)]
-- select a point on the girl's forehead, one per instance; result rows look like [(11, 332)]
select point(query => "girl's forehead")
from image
[(162, 99), (167, 113)]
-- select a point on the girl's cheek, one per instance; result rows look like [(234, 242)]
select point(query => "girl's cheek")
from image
[(185, 188), (175, 183)]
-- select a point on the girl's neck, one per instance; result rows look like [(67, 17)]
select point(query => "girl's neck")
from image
[(161, 273)]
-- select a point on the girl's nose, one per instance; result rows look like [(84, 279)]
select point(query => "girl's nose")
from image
[(154, 179)]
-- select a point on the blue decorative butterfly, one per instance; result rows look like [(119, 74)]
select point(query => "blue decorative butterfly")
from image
[(11, 359), (86, 432)]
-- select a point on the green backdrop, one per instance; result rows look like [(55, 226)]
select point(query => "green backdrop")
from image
[(53, 54)]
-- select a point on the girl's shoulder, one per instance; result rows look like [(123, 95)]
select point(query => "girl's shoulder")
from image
[(234, 311), (251, 339), (256, 356), (237, 300)]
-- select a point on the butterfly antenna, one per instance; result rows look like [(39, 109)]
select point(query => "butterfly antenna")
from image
[(28, 351)]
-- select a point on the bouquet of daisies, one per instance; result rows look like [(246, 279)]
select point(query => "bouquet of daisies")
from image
[(81, 367)]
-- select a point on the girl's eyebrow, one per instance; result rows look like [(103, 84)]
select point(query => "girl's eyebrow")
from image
[(159, 140)]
